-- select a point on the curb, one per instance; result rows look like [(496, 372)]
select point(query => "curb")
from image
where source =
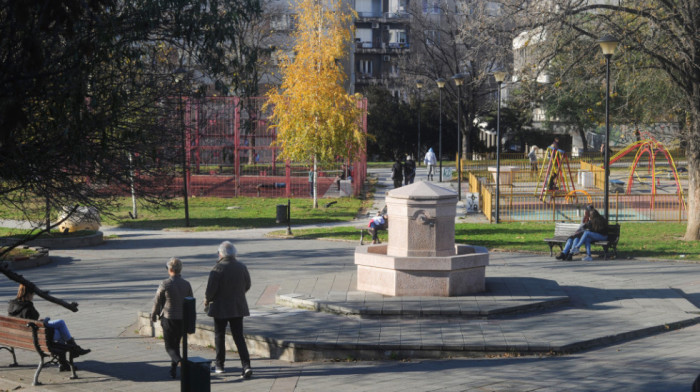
[(41, 257)]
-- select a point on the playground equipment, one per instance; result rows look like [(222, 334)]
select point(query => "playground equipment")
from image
[(555, 173), (652, 147)]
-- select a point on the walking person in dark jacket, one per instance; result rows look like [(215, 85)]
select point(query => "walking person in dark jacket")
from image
[(397, 173), (409, 170), (168, 305), (23, 307), (229, 280)]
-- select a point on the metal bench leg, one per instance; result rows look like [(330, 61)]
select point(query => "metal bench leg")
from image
[(14, 358), (605, 253), (72, 367), (36, 374)]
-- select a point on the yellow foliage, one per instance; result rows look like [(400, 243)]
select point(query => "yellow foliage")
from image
[(313, 114)]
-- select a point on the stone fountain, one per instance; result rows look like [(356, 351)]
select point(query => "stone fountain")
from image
[(421, 257)]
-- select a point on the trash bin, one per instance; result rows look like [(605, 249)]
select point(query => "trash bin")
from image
[(281, 213), (197, 375), (189, 315)]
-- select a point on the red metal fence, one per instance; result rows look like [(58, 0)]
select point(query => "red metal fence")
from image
[(229, 153)]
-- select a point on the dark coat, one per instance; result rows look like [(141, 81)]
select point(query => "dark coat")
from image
[(170, 297), (229, 280), (397, 171), (22, 309)]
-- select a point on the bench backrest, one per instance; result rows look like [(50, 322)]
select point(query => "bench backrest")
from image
[(565, 229), (17, 332), (613, 233)]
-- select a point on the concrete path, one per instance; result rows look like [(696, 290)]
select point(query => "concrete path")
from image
[(113, 281)]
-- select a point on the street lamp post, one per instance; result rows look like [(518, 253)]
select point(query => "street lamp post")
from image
[(459, 79), (440, 83), (419, 86), (179, 76), (500, 76), (608, 44)]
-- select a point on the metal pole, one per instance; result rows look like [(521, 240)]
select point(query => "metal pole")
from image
[(184, 160), (459, 146), (289, 217), (418, 160), (440, 136), (607, 135), (498, 152)]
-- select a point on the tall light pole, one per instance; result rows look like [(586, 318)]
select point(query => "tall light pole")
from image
[(440, 83), (179, 75), (419, 86), (459, 79), (608, 44), (500, 76)]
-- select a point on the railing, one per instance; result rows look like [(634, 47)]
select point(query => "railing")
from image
[(518, 201)]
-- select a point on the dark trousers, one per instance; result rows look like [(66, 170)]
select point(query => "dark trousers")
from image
[(236, 325), (172, 334)]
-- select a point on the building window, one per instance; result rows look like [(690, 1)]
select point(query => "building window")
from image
[(493, 8), (432, 37), (397, 39), (431, 6), (283, 22), (394, 70), (365, 67)]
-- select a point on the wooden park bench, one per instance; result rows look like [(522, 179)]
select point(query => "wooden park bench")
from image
[(562, 232), (32, 335)]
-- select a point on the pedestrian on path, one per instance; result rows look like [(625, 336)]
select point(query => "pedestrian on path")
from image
[(379, 222), (532, 155), (168, 306), (397, 173), (409, 170), (225, 301), (23, 307), (430, 160)]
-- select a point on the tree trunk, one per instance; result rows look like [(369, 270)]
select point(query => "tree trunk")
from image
[(582, 135), (315, 184), (692, 231)]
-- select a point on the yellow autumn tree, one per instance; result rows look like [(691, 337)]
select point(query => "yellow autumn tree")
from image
[(315, 118)]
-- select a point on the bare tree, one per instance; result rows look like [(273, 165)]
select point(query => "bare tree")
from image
[(449, 38)]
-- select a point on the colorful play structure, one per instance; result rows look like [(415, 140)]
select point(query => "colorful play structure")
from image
[(555, 173), (652, 148)]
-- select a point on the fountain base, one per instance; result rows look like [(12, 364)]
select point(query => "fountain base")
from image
[(441, 276)]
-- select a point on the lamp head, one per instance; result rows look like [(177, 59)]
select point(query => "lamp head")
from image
[(419, 85), (608, 43), (440, 82), (499, 75), (179, 74), (459, 78)]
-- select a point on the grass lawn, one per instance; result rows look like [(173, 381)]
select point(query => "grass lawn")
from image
[(659, 240), (235, 213), (209, 213)]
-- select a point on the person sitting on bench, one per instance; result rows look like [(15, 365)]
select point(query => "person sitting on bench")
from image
[(23, 307), (596, 230), (564, 255)]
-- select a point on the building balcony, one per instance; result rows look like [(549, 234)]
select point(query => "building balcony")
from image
[(381, 47)]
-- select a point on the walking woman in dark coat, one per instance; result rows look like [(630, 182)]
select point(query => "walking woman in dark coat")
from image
[(168, 305)]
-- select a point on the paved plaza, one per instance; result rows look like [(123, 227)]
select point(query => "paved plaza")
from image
[(636, 319)]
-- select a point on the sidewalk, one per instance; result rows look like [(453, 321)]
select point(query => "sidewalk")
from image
[(113, 281)]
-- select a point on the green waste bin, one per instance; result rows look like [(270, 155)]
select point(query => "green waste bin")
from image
[(197, 375), (281, 213)]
